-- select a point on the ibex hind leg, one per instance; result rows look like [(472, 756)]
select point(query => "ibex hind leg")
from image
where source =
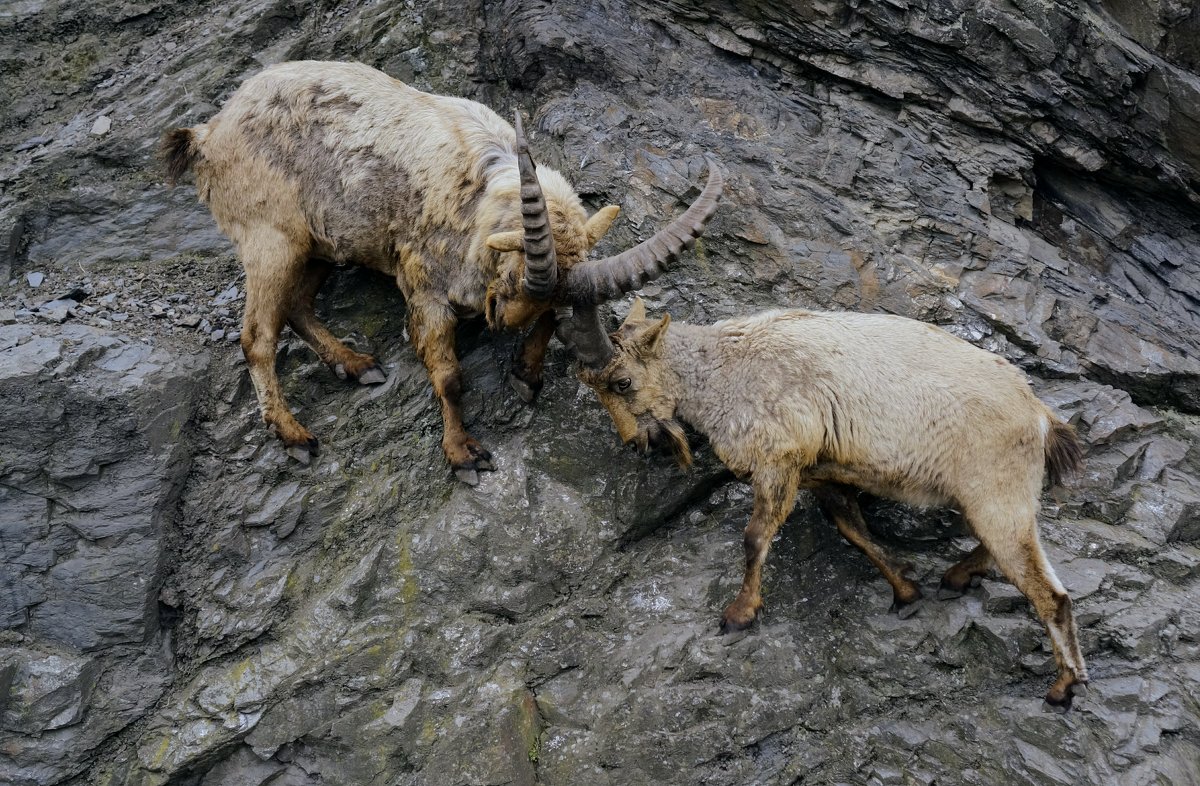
[(273, 268), (302, 318), (840, 505), (1019, 555)]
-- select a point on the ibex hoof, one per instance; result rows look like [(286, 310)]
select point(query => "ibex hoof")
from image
[(372, 376), (526, 391), (339, 370), (467, 475), (1059, 699), (735, 623), (1059, 708), (303, 453), (729, 626), (906, 610), (946, 592)]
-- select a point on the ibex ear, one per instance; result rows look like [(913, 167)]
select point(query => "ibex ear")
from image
[(651, 338), (637, 312), (506, 241), (599, 223)]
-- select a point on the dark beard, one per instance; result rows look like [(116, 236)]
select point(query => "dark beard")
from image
[(669, 434)]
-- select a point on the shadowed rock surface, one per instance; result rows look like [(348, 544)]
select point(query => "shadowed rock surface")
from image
[(180, 604)]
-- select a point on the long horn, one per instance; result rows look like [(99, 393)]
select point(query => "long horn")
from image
[(585, 336), (541, 265), (598, 280)]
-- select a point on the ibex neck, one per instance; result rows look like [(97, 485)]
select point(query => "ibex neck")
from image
[(691, 353)]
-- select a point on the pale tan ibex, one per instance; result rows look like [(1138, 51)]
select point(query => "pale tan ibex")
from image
[(314, 164), (838, 402)]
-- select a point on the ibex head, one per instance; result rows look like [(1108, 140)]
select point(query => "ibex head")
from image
[(552, 269), (632, 378)]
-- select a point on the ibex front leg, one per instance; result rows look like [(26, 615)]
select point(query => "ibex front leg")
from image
[(774, 498), (432, 330), (526, 376)]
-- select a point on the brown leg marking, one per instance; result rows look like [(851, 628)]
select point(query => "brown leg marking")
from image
[(432, 328), (774, 498), (272, 273), (302, 317), (526, 376), (1018, 553), (965, 573), (839, 504)]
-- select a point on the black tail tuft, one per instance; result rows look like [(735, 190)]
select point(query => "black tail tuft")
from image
[(1064, 454), (178, 152)]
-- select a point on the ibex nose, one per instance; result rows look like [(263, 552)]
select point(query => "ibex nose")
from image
[(646, 438)]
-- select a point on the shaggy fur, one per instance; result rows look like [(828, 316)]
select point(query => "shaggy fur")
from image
[(311, 165), (842, 401)]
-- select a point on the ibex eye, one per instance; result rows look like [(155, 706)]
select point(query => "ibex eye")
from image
[(623, 384)]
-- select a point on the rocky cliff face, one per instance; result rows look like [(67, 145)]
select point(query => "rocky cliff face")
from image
[(180, 604)]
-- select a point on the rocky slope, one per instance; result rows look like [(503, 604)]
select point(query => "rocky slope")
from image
[(180, 604)]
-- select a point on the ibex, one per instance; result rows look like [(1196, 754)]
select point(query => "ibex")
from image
[(838, 402), (314, 164)]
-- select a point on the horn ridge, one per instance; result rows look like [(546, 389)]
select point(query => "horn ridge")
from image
[(598, 280), (541, 263)]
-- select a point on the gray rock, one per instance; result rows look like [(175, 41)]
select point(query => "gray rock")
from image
[(47, 692), (56, 310), (35, 279), (226, 297)]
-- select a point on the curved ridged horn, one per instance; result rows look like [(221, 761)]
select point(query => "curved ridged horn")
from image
[(598, 280), (585, 336), (541, 265)]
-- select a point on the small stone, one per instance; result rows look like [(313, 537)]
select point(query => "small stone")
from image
[(7, 316), (33, 142), (101, 126), (188, 321), (35, 279), (228, 296), (119, 316), (217, 334), (56, 310), (233, 336)]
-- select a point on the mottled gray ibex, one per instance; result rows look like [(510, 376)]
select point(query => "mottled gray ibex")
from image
[(842, 401), (314, 164)]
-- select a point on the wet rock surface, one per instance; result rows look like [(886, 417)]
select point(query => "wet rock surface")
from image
[(181, 604)]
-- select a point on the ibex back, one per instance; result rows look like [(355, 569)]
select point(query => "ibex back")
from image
[(315, 164), (838, 402)]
